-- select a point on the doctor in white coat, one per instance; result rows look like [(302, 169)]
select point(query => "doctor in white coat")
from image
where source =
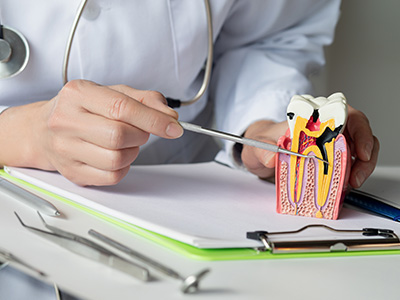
[(127, 56)]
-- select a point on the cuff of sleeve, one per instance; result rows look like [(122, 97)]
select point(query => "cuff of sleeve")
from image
[(266, 105), (231, 156), (3, 108)]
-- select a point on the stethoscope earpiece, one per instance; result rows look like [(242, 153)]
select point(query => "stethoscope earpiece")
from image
[(14, 52)]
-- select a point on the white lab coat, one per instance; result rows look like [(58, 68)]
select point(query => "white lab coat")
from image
[(264, 52)]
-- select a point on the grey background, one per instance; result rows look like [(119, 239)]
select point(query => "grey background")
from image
[(364, 64)]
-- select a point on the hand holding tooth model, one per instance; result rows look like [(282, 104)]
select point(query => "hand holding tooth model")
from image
[(341, 122)]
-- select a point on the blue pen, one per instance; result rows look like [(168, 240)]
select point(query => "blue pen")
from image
[(373, 204)]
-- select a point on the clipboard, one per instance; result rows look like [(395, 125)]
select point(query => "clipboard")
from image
[(221, 253)]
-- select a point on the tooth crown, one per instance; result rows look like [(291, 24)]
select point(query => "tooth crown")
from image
[(305, 186)]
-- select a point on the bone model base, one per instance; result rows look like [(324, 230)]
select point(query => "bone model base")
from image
[(308, 187)]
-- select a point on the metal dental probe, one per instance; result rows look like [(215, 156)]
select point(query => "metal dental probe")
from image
[(189, 285), (243, 140)]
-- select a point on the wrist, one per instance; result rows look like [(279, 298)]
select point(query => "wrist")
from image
[(19, 131)]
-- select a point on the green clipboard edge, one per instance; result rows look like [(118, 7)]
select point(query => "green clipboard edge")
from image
[(188, 250)]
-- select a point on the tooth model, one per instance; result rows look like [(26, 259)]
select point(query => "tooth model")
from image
[(306, 186)]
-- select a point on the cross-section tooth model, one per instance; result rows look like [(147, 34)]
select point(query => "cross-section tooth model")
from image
[(309, 187)]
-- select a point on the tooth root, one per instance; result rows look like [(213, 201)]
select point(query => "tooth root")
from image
[(296, 163), (325, 179)]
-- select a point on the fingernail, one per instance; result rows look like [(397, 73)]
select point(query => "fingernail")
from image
[(368, 151), (172, 110), (268, 156), (360, 178), (174, 130)]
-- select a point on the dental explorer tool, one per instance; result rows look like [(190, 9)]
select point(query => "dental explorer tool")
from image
[(242, 140)]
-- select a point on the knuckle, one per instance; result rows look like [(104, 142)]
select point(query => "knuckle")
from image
[(116, 176), (142, 138), (117, 137), (72, 87), (70, 173), (123, 158), (156, 96), (134, 154), (116, 160), (117, 107)]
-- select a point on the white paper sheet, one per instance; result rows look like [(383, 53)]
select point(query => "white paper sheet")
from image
[(205, 205)]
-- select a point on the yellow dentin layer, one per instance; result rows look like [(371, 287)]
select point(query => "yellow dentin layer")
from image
[(297, 173)]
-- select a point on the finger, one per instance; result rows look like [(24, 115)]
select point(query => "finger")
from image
[(258, 161), (266, 130), (104, 159), (360, 134), (74, 150), (107, 133), (151, 99), (120, 107), (361, 170), (85, 175)]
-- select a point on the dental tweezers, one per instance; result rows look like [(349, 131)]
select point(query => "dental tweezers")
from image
[(89, 249)]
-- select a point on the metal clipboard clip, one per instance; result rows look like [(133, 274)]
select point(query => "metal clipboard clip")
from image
[(382, 239)]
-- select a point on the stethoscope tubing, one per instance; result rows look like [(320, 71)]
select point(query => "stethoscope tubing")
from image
[(171, 102), (67, 52)]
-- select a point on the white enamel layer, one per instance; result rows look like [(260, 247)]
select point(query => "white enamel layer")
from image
[(334, 107)]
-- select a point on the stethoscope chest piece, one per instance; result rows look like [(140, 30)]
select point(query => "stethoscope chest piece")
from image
[(14, 52)]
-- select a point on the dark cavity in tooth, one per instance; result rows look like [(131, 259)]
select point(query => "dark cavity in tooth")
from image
[(327, 136)]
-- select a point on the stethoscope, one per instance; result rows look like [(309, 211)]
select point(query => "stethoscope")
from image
[(14, 54)]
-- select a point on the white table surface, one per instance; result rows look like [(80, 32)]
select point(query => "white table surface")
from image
[(365, 277)]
